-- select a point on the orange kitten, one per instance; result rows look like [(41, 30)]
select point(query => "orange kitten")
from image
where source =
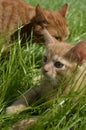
[(64, 66), (61, 61)]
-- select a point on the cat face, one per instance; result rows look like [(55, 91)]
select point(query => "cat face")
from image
[(54, 63), (54, 22)]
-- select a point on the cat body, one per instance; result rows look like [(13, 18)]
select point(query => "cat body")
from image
[(16, 13), (61, 62), (64, 69)]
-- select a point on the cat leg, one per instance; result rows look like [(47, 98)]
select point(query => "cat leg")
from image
[(31, 96), (24, 124), (23, 101)]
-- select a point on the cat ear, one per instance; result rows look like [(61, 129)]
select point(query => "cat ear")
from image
[(77, 53), (38, 9), (47, 37), (40, 17), (63, 10)]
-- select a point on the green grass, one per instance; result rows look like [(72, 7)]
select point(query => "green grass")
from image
[(18, 70)]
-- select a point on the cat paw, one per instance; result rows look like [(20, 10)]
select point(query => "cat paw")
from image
[(24, 124), (14, 108)]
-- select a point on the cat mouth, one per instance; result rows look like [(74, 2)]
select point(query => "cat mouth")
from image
[(48, 75)]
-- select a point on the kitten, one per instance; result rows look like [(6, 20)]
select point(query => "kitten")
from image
[(67, 58), (61, 62), (15, 13)]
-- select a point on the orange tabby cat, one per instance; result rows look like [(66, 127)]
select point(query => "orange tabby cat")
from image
[(14, 13), (61, 61), (64, 66)]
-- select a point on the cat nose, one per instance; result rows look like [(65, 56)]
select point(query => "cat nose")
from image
[(44, 70)]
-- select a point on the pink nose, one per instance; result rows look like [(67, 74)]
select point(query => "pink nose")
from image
[(44, 70)]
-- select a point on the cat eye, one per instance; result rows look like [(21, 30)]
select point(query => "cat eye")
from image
[(45, 59), (58, 64), (57, 38)]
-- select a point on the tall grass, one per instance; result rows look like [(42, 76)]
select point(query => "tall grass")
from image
[(19, 68)]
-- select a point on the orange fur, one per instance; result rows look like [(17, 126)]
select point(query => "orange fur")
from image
[(78, 52), (63, 59), (15, 13), (59, 67)]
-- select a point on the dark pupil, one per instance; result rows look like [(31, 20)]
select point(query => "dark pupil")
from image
[(45, 59), (58, 64), (57, 38)]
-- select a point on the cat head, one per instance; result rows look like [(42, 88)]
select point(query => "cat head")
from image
[(61, 59), (54, 21), (55, 64)]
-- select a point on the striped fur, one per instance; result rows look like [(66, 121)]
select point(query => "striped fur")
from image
[(15, 13)]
